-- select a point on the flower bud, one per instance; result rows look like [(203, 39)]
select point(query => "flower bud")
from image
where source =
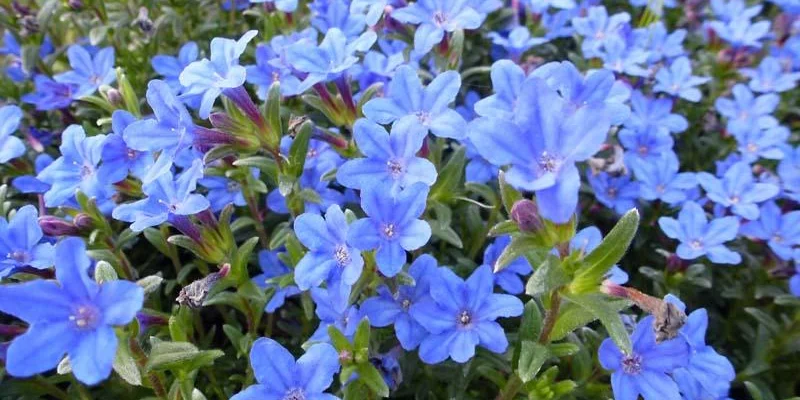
[(75, 5), (54, 226), (115, 97), (526, 214), (667, 317), (83, 221)]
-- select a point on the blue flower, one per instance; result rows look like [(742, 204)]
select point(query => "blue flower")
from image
[(334, 309), (646, 371), (746, 111), (426, 106), (460, 315), (75, 316), (707, 375), (372, 8), (519, 41), (329, 255), (616, 192), (21, 242), (741, 31), (392, 225), (646, 144), (677, 80), (380, 66), (478, 169), (223, 191), (118, 158), (389, 308), (510, 277), (770, 76), (654, 112), (283, 5), (542, 144), (389, 157), (170, 67), (659, 43), (271, 269), (698, 237), (279, 376), (265, 72), (597, 28), (330, 60), (165, 199), (507, 78), (49, 94), (781, 231), (659, 179), (622, 57), (14, 69), (10, 146), (435, 17), (76, 169), (320, 156), (738, 190), (337, 15), (585, 241), (210, 77), (171, 131), (539, 6), (767, 143), (88, 72)]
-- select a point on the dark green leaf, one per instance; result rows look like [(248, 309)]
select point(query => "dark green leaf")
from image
[(370, 376), (532, 356), (547, 277), (598, 305)]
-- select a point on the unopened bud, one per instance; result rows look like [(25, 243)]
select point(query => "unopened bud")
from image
[(143, 20), (54, 226), (345, 357), (83, 221), (196, 292), (114, 97), (526, 214), (75, 5)]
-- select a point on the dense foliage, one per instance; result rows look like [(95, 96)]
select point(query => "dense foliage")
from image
[(291, 200)]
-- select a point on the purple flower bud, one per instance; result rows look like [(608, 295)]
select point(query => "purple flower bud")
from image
[(114, 97), (83, 221), (76, 5), (54, 226), (526, 214)]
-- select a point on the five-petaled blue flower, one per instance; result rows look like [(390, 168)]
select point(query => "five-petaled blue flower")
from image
[(166, 198), (334, 309), (392, 225), (659, 179), (646, 371), (677, 80), (330, 60), (781, 231), (435, 17), (460, 315), (118, 158), (49, 94), (88, 73), (279, 376), (426, 106), (770, 76), (738, 190), (510, 277), (746, 111), (618, 192), (21, 242), (329, 257), (389, 308), (698, 237), (73, 316), (170, 67), (389, 157), (209, 77)]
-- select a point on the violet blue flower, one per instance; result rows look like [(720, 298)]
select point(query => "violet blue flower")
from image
[(21, 242), (698, 237), (10, 146)]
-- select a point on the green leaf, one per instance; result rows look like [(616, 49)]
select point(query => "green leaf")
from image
[(369, 375), (361, 339), (104, 272), (597, 305), (532, 356), (548, 276), (764, 319), (448, 183), (531, 325), (572, 316), (266, 165), (299, 149), (508, 194), (518, 247), (158, 241), (125, 365), (563, 349), (338, 339), (503, 228), (609, 252), (179, 356), (274, 113)]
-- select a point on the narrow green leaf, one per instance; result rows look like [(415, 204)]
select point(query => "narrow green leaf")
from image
[(532, 356), (299, 149), (508, 194), (597, 305), (361, 340), (338, 339), (573, 316), (274, 110), (548, 276), (609, 252), (369, 375), (518, 247)]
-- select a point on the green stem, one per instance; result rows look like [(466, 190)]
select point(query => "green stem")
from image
[(141, 360), (262, 233), (550, 317), (511, 388)]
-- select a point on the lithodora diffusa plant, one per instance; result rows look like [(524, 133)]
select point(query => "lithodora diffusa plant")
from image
[(430, 199)]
